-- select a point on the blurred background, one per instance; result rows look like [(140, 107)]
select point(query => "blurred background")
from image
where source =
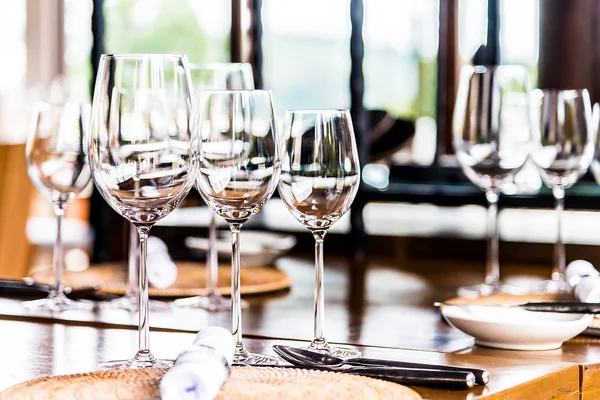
[(394, 63)]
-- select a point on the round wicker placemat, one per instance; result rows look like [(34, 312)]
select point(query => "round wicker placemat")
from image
[(111, 278), (245, 383)]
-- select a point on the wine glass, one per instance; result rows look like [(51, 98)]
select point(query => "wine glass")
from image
[(239, 168), (491, 132), (143, 156), (130, 301), (57, 166), (564, 144), (320, 176), (216, 76)]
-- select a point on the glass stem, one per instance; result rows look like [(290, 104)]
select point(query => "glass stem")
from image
[(143, 326), (133, 260), (492, 267), (558, 271), (319, 341), (212, 271), (236, 308), (58, 255)]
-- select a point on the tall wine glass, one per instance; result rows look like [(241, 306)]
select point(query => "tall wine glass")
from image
[(239, 169), (142, 153), (563, 151), (320, 176), (216, 76), (130, 301), (57, 166), (492, 131)]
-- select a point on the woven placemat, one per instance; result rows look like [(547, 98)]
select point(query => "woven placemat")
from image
[(111, 278), (245, 383)]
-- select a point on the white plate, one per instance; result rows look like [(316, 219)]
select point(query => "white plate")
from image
[(256, 247), (514, 328)]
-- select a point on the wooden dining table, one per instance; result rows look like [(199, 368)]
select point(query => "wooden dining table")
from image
[(384, 307)]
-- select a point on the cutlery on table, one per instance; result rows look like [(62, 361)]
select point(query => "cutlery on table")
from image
[(567, 307), (302, 355), (26, 287), (395, 371)]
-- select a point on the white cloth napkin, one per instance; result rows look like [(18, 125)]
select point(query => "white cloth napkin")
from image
[(201, 369), (585, 281), (161, 270)]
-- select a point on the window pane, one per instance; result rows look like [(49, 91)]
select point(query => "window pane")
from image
[(306, 54), (78, 45), (198, 28), (519, 27), (400, 68), (472, 27), (13, 72), (401, 40), (519, 38)]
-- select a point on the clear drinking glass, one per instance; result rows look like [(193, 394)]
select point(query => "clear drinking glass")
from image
[(320, 176), (143, 155), (130, 301), (57, 166), (492, 133), (239, 168), (216, 76), (564, 144)]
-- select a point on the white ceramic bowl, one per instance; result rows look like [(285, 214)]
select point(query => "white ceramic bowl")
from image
[(514, 328)]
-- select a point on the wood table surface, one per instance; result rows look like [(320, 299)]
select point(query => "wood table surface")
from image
[(386, 309)]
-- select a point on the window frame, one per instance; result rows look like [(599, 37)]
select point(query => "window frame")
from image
[(441, 183)]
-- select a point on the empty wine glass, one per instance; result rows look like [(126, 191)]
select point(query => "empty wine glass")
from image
[(57, 166), (564, 144), (320, 176), (492, 131), (239, 169), (222, 76), (216, 76), (142, 153), (130, 301)]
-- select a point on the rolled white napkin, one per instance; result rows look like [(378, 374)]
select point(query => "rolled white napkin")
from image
[(585, 281), (201, 369), (161, 270), (588, 290)]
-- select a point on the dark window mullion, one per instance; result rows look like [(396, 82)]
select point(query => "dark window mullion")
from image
[(357, 109), (100, 215), (256, 42)]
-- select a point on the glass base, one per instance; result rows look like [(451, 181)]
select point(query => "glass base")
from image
[(551, 287), (210, 301), (485, 289), (58, 302), (321, 346), (131, 302), (140, 361), (244, 357)]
